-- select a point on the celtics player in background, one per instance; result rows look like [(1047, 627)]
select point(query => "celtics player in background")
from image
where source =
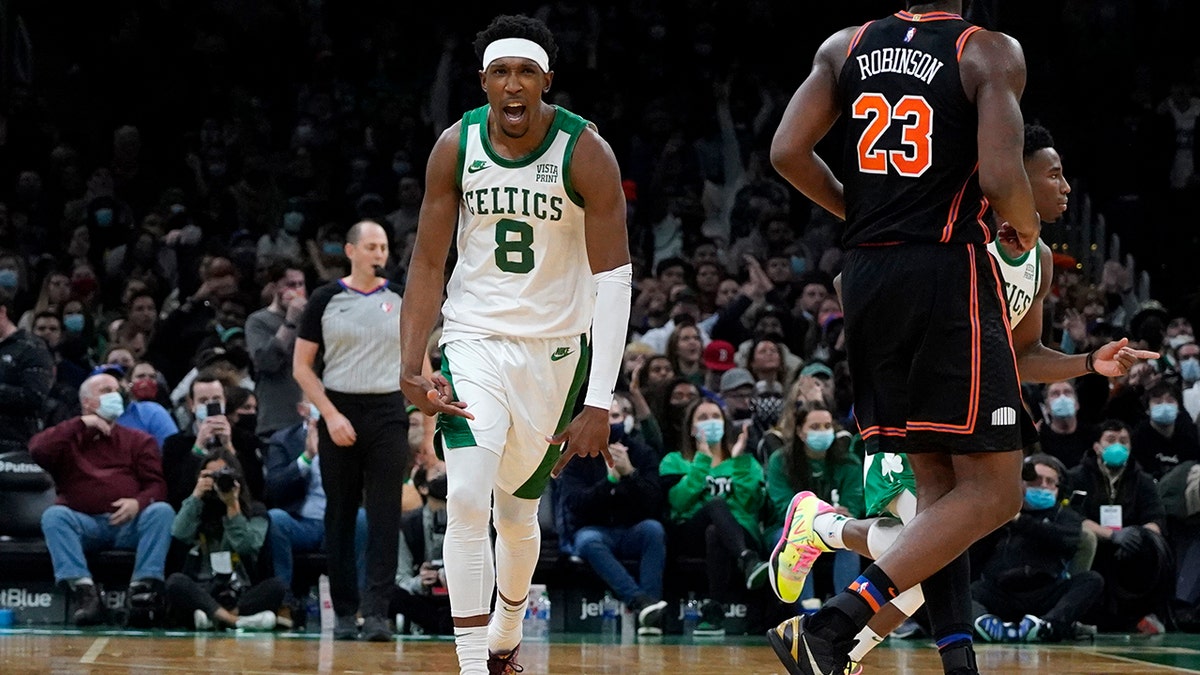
[(542, 248), (890, 489)]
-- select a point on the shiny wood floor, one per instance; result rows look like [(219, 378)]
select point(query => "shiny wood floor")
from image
[(113, 652)]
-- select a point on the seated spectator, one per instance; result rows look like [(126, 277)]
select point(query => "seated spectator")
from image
[(26, 372), (1188, 356), (1167, 437), (807, 451), (110, 495), (1121, 506), (609, 514), (211, 429), (293, 486), (146, 384), (644, 425), (714, 489), (1026, 592), (420, 593), (1062, 434), (225, 531)]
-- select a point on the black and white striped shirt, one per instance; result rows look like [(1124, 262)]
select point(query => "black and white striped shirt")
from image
[(359, 335)]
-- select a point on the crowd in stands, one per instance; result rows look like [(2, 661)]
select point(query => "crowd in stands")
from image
[(162, 218)]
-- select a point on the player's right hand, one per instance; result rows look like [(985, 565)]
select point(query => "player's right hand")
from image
[(433, 396), (340, 430), (1013, 241)]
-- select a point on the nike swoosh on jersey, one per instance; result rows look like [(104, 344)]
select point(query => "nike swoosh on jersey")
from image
[(477, 165)]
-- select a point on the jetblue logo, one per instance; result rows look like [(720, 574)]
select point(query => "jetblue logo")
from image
[(1004, 417), (19, 598)]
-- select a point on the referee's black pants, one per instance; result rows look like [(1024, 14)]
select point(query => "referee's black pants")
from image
[(369, 472)]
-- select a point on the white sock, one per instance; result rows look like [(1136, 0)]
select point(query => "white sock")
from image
[(472, 649), (867, 640), (504, 630), (829, 526), (82, 581)]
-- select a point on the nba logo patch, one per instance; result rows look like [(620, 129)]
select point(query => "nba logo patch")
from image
[(386, 307), (909, 35)]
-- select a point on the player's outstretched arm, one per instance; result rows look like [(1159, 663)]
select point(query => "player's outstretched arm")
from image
[(808, 117), (426, 279), (1038, 363)]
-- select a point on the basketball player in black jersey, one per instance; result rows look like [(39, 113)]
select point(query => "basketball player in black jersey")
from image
[(934, 137)]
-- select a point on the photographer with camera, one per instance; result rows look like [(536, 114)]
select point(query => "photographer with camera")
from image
[(420, 593), (183, 452), (225, 531)]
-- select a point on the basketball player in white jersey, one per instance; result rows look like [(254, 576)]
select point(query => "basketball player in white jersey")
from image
[(542, 250), (889, 487)]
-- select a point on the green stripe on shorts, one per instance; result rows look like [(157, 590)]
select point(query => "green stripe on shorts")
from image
[(536, 485), (453, 431)]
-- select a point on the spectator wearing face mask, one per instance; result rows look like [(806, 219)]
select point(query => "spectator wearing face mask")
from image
[(26, 373), (808, 452), (714, 488), (1189, 375), (1028, 591), (1062, 434), (1167, 437), (110, 495), (420, 593), (608, 514), (1121, 506), (294, 490), (270, 339)]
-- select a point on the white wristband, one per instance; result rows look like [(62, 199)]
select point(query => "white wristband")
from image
[(609, 327)]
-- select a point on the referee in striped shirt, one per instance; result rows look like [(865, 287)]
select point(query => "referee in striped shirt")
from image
[(351, 327)]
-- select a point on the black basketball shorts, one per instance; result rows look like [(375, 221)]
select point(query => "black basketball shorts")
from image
[(930, 350)]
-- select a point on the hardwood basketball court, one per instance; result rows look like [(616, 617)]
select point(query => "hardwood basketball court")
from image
[(106, 651)]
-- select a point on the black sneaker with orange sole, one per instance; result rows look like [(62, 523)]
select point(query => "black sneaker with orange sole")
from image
[(503, 664)]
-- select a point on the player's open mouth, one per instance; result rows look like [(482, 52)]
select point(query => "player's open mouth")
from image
[(514, 112)]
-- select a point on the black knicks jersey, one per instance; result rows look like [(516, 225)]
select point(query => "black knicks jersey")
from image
[(911, 152)]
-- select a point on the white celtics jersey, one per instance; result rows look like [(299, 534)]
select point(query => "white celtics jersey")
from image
[(522, 267), (1022, 277)]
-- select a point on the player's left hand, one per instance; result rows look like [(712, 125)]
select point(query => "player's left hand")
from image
[(585, 436), (1116, 358)]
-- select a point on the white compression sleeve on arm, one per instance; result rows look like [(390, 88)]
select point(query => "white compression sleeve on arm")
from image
[(609, 326)]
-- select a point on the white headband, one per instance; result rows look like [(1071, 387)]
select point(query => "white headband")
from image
[(521, 47)]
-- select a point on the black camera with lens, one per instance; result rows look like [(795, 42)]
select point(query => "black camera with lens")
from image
[(224, 478)]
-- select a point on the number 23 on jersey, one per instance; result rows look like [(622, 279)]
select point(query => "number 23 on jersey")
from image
[(916, 116)]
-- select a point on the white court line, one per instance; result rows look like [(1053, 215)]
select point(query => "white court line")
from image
[(94, 651), (1174, 669)]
